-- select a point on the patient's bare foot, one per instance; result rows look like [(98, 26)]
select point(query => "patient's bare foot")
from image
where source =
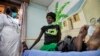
[(81, 36), (94, 41)]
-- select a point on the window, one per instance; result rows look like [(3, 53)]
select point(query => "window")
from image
[(76, 17)]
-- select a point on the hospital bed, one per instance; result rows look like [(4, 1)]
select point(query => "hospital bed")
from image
[(54, 53)]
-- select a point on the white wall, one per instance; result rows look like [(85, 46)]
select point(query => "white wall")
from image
[(92, 9), (36, 19), (73, 7)]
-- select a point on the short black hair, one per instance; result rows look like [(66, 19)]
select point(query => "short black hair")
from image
[(98, 20), (11, 9), (68, 36), (8, 11), (51, 14), (14, 9)]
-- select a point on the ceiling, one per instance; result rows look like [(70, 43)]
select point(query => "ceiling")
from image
[(42, 2)]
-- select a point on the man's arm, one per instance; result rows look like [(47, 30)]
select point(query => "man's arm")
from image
[(59, 34), (37, 40)]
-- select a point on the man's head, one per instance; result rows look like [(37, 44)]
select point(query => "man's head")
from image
[(68, 39), (51, 17), (98, 22), (12, 11), (92, 21)]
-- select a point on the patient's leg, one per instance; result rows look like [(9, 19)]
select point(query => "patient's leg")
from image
[(81, 36), (93, 44)]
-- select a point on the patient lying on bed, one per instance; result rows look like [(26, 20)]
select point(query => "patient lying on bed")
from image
[(93, 44)]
